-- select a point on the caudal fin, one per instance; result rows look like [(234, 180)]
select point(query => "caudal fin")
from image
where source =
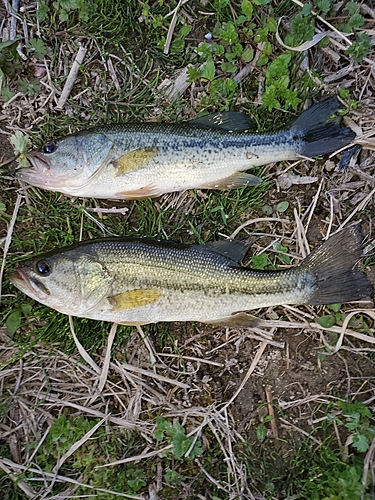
[(333, 268), (321, 133)]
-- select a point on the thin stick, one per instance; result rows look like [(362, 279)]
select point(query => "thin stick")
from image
[(368, 459), (147, 373), (13, 21), (147, 343), (72, 77), (247, 376), (172, 27), (360, 207), (107, 359), (307, 434), (271, 411), (316, 197), (9, 237), (21, 484), (81, 349), (255, 221), (191, 358), (64, 479), (77, 445)]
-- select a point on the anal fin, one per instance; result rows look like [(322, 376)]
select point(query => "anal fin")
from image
[(149, 191), (237, 180), (239, 319)]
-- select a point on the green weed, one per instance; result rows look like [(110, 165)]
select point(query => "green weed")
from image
[(182, 445)]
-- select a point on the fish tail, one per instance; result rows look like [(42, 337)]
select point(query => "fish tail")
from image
[(321, 133), (333, 268)]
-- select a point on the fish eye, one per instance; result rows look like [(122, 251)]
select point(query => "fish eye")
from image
[(50, 147), (43, 267)]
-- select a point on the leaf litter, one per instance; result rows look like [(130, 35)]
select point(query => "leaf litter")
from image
[(225, 381)]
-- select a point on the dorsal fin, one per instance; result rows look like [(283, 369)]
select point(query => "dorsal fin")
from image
[(235, 250), (231, 121)]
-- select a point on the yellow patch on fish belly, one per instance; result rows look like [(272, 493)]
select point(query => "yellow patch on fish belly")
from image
[(134, 160), (134, 299)]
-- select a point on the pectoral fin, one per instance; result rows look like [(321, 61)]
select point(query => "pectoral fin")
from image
[(240, 319), (134, 160), (237, 180), (134, 298)]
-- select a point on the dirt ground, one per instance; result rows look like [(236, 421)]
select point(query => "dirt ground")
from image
[(285, 367)]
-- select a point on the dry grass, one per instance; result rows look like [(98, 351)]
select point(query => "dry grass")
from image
[(41, 384)]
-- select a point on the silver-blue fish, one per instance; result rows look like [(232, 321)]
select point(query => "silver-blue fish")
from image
[(137, 160)]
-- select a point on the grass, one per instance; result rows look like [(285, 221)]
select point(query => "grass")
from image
[(51, 393)]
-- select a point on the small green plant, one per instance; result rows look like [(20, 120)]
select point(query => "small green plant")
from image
[(329, 478), (337, 317), (356, 418), (261, 261), (175, 434), (361, 48), (84, 9), (36, 48), (64, 433), (21, 144), (261, 429), (29, 87), (11, 65), (278, 92), (14, 319)]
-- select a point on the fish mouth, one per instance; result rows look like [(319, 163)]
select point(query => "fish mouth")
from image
[(39, 173), (29, 285), (39, 162)]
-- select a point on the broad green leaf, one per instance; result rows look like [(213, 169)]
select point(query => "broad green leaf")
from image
[(13, 321), (208, 71), (261, 432), (247, 8), (20, 142), (247, 54), (334, 307), (326, 321), (361, 442), (282, 206), (260, 261)]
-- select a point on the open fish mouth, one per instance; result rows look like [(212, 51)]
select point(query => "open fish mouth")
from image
[(39, 162), (28, 285), (40, 173)]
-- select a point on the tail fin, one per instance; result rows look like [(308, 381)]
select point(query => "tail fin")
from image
[(332, 266), (321, 133)]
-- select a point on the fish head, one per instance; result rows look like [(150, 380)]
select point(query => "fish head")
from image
[(68, 281), (68, 163)]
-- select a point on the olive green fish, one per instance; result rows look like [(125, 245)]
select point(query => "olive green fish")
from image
[(138, 160), (135, 281)]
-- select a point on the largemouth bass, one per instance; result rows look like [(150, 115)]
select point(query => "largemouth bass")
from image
[(135, 281), (138, 160)]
